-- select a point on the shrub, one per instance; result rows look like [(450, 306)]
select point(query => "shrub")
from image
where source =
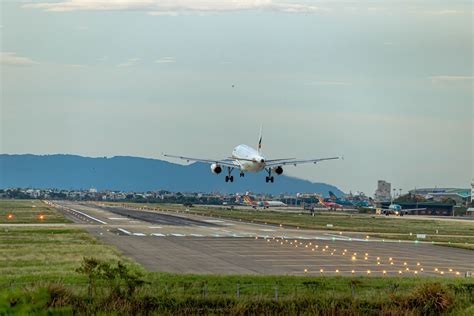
[(430, 299)]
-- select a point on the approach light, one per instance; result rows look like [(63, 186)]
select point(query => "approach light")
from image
[(418, 264), (10, 216), (368, 271), (404, 263), (354, 258), (337, 270), (41, 217), (352, 271), (305, 270), (384, 272), (321, 270)]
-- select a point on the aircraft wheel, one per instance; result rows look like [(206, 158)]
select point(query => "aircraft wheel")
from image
[(266, 179), (226, 178), (272, 179), (231, 178)]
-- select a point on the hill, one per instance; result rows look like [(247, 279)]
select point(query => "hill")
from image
[(136, 174)]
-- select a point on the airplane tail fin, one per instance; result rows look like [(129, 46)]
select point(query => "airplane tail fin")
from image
[(332, 195), (248, 200), (260, 140)]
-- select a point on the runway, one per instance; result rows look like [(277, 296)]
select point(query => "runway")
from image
[(183, 243)]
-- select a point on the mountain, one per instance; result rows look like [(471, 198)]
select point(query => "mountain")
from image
[(137, 174)]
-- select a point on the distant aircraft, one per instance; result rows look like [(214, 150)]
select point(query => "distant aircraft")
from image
[(330, 205), (397, 210), (340, 201), (250, 201), (247, 159)]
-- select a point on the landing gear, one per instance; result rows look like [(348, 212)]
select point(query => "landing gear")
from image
[(269, 178), (242, 174), (229, 177)]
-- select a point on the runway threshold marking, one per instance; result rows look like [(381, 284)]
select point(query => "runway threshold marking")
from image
[(86, 215), (158, 235), (139, 234)]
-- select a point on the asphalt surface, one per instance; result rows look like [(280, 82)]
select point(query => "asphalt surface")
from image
[(184, 243)]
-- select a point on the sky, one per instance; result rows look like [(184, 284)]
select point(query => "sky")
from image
[(387, 84)]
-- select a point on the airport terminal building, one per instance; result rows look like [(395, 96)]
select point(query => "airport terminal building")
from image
[(459, 195)]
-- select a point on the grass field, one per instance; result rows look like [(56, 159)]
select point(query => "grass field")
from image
[(28, 211)]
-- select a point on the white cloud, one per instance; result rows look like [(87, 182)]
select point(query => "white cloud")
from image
[(446, 79), (12, 59), (166, 60), (172, 7), (129, 63)]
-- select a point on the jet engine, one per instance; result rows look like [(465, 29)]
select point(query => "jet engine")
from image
[(278, 170), (216, 169)]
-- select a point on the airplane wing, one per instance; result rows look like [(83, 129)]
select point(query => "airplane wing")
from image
[(413, 209), (296, 162), (225, 162)]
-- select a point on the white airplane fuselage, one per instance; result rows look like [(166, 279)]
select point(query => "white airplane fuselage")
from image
[(249, 158)]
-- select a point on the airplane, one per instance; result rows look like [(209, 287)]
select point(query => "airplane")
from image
[(396, 210), (330, 205), (340, 201), (247, 159), (249, 201)]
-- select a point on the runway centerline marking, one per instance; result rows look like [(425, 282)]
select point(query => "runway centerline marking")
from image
[(124, 231)]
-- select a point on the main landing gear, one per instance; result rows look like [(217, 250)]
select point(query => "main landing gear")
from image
[(229, 177), (269, 178), (242, 174)]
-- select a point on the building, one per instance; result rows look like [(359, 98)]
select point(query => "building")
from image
[(472, 191), (382, 194), (459, 195)]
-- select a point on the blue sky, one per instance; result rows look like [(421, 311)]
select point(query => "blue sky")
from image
[(387, 84)]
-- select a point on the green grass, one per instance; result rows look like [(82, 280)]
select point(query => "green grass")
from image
[(41, 253), (28, 212)]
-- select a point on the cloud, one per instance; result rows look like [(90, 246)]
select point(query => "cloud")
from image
[(129, 63), (446, 79), (12, 59), (172, 7), (165, 60)]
